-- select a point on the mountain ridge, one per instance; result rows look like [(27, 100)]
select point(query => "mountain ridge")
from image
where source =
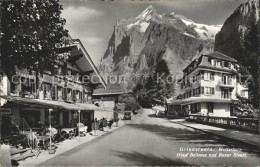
[(138, 44)]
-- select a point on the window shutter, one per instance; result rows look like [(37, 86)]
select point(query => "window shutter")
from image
[(65, 93), (202, 75), (212, 76), (229, 65), (54, 97), (222, 93), (222, 63), (202, 90), (212, 91), (43, 87)]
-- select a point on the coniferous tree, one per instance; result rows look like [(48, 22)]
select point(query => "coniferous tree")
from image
[(248, 57)]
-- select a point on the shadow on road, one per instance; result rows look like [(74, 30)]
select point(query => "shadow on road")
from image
[(149, 159), (196, 137)]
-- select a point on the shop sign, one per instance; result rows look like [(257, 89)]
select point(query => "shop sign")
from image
[(5, 111)]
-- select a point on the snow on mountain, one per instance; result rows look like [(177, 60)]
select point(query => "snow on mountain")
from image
[(142, 21), (204, 31), (146, 14)]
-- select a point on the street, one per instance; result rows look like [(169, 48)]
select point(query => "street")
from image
[(148, 140)]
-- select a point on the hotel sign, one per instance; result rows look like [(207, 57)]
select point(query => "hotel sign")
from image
[(25, 74)]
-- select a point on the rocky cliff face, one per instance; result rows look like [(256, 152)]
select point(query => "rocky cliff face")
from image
[(231, 36), (138, 44)]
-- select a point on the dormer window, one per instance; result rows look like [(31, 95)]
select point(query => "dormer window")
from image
[(213, 62), (226, 64), (218, 63)]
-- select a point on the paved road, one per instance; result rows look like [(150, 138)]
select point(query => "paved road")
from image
[(147, 140)]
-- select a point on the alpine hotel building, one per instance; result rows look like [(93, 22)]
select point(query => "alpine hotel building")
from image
[(64, 91), (208, 86)]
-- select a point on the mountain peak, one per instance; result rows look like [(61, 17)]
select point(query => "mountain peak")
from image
[(147, 14)]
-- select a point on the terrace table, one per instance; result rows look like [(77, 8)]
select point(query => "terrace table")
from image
[(70, 131)]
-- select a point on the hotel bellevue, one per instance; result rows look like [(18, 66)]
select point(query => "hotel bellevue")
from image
[(66, 91), (208, 87)]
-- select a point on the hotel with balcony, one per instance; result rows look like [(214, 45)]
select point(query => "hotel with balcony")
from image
[(208, 87), (66, 90)]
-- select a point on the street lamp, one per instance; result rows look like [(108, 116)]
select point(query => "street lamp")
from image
[(50, 110), (79, 125)]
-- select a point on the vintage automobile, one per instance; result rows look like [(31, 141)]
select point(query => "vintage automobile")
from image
[(159, 111), (127, 115)]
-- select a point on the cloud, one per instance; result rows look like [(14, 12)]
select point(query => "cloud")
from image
[(92, 40), (78, 14)]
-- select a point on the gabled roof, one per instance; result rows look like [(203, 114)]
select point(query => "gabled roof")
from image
[(85, 62), (221, 56), (203, 61)]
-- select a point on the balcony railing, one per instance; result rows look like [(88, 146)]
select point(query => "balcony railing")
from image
[(250, 124)]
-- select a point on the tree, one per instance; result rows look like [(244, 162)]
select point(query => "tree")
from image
[(129, 100), (248, 57), (158, 86), (32, 35)]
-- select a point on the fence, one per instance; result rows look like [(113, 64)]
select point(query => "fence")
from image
[(249, 124)]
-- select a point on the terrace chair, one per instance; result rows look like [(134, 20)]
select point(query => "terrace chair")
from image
[(41, 145), (72, 134)]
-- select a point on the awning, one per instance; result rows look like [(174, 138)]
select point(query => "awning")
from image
[(51, 103), (60, 104), (90, 106)]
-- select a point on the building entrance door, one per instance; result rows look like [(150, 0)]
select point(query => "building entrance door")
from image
[(210, 107), (231, 111), (66, 118)]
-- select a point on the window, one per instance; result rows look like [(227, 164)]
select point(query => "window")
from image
[(46, 91), (226, 64), (54, 93), (218, 63), (69, 94), (28, 86), (226, 80), (213, 62), (74, 97), (226, 93), (209, 76), (59, 93), (207, 90)]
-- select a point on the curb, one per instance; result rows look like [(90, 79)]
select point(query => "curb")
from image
[(222, 136)]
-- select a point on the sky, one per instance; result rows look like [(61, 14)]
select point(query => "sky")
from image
[(92, 21)]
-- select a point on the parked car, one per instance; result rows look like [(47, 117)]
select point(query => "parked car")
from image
[(159, 111), (127, 116)]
